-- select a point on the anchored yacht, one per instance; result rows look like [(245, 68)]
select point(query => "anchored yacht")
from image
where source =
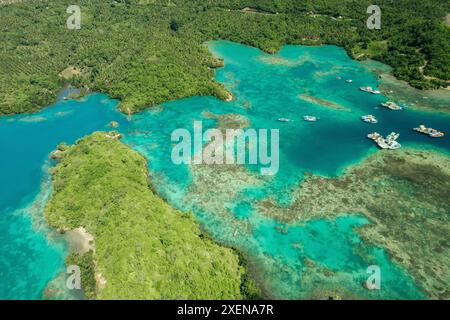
[(310, 118), (390, 142), (433, 133), (391, 105), (370, 90), (369, 119)]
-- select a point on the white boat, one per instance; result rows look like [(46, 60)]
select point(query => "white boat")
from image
[(394, 145), (391, 105), (390, 142), (374, 136), (429, 131), (284, 120), (310, 118), (392, 136), (369, 119), (370, 90)]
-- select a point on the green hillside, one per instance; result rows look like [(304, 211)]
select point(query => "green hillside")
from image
[(147, 52), (144, 249)]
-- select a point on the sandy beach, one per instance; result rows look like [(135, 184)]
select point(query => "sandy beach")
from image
[(80, 241)]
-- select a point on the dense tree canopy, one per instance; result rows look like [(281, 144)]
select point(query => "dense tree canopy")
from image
[(146, 52), (144, 249)]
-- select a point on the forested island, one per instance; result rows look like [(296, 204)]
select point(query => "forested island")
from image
[(142, 248), (148, 52)]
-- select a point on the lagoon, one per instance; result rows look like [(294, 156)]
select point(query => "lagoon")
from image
[(288, 259)]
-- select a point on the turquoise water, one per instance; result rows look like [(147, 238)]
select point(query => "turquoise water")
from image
[(266, 88), (29, 256)]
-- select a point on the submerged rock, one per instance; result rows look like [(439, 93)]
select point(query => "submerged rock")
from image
[(114, 124), (56, 155)]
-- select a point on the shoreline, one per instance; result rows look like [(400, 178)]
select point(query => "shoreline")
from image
[(229, 97), (421, 100), (81, 242), (83, 236), (80, 237)]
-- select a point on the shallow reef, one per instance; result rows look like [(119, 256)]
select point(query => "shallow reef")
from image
[(218, 196), (405, 195), (402, 92)]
